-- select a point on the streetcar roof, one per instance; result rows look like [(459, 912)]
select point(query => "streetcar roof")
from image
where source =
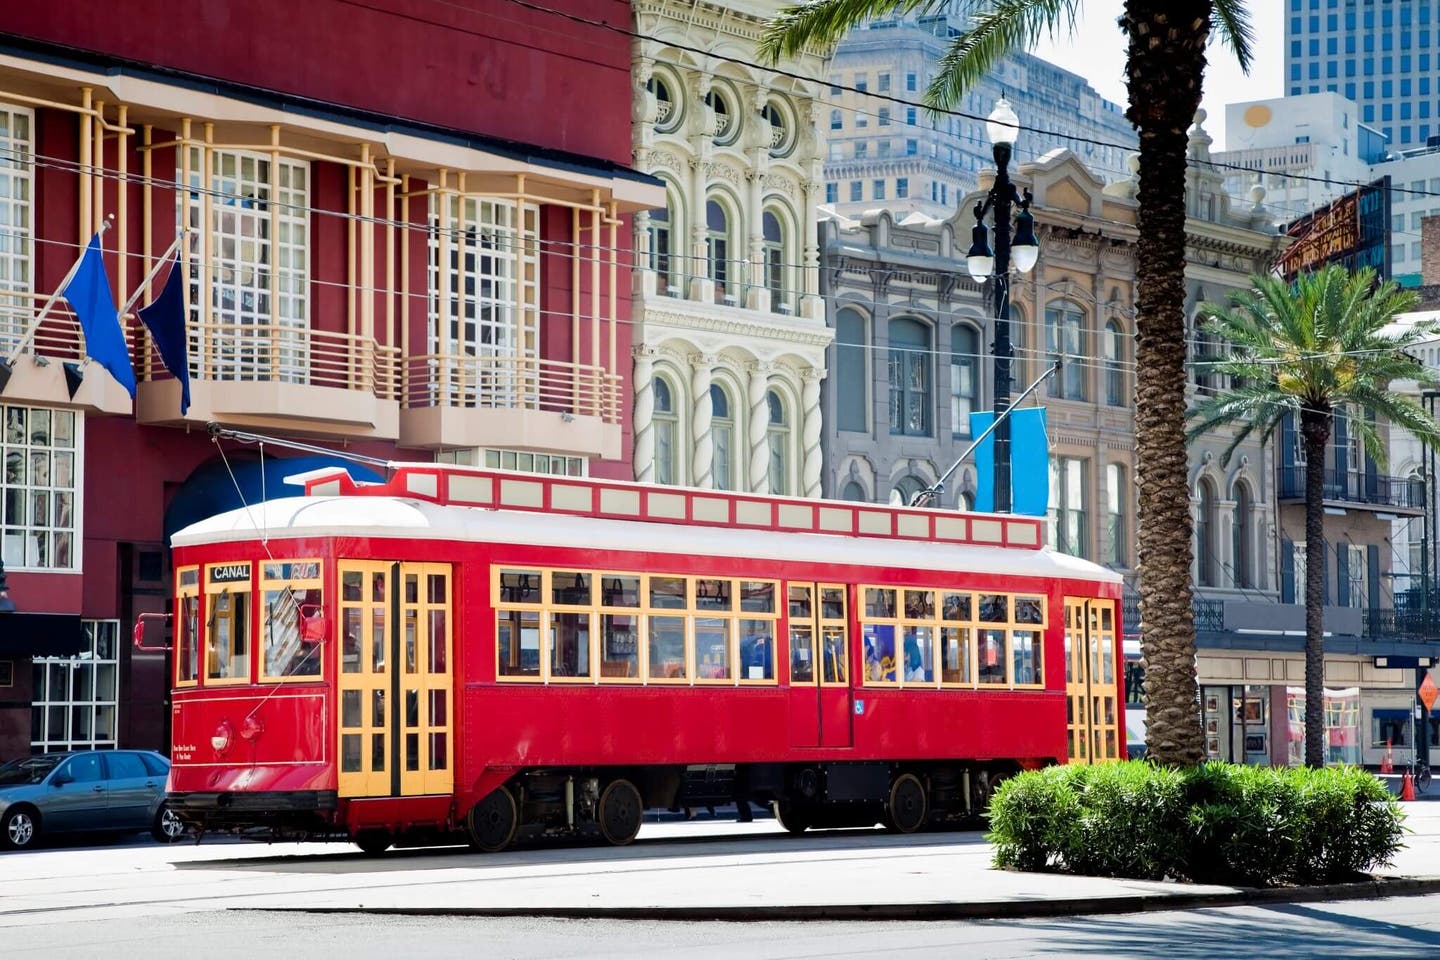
[(402, 518)]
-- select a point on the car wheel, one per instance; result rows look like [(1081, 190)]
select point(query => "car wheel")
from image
[(20, 829), (167, 828)]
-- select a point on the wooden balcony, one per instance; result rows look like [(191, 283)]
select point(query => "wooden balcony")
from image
[(514, 402), (295, 379)]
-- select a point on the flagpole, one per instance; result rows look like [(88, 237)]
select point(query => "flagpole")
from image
[(159, 264), (29, 337)]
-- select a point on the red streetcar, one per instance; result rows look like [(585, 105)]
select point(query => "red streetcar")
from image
[(511, 655)]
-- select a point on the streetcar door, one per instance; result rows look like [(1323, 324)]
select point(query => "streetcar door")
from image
[(1092, 693), (396, 700), (820, 699)]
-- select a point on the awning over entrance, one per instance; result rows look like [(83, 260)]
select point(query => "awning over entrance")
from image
[(41, 635)]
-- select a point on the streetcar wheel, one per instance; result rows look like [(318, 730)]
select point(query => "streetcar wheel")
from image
[(167, 827), (792, 817), (907, 809), (19, 829), (374, 842), (493, 821), (620, 813)]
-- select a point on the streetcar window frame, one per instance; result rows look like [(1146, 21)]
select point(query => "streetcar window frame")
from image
[(277, 576), (1019, 618), (239, 596), (188, 620)]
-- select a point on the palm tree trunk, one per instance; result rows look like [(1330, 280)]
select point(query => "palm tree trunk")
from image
[(1165, 67), (1315, 429)]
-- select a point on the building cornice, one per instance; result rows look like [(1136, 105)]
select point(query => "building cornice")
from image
[(689, 316)]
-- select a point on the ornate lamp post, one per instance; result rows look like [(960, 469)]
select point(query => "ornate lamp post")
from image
[(1002, 127)]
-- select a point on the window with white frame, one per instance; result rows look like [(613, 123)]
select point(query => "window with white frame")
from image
[(1068, 523), (1356, 570), (1117, 492), (778, 434), (773, 239), (964, 384), (484, 300), (722, 436), (1065, 338), (666, 420), (660, 259), (255, 283), (16, 236), (39, 506), (75, 702)]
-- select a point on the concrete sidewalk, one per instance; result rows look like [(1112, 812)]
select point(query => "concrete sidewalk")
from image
[(681, 871)]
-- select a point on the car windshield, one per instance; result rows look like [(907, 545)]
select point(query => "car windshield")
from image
[(27, 770)]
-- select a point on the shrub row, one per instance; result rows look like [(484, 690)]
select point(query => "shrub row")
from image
[(1214, 823)]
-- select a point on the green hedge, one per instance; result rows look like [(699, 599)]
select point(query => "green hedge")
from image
[(1215, 823)]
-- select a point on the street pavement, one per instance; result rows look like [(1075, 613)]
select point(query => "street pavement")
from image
[(697, 869)]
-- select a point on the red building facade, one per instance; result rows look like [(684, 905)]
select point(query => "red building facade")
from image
[(406, 233)]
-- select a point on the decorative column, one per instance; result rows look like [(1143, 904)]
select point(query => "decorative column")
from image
[(810, 433), (758, 433), (812, 306), (1225, 543), (703, 456), (757, 146), (644, 423), (702, 139)]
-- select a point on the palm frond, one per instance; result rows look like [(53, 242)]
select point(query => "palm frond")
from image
[(996, 28), (825, 22), (1231, 20)]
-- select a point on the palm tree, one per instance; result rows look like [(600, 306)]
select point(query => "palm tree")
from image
[(1164, 69), (1304, 351)]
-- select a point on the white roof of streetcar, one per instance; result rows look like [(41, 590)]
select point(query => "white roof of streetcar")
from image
[(404, 518)]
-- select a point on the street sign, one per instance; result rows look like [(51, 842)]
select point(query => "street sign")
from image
[(1428, 692)]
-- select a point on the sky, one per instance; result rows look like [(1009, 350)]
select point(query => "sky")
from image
[(1098, 41)]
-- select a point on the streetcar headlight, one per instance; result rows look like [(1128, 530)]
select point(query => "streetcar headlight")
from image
[(222, 737)]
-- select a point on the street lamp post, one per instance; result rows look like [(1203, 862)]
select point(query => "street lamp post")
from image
[(1002, 127)]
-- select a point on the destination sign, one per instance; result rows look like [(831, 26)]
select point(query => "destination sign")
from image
[(230, 573)]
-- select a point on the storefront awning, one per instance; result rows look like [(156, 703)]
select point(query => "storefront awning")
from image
[(40, 635)]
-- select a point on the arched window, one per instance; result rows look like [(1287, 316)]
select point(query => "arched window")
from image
[(1205, 535), (717, 246), (667, 109), (967, 501), (1065, 338), (667, 428), (909, 377), (904, 492), (1241, 564), (853, 492), (778, 433), (851, 383), (774, 253), (722, 435), (1117, 494), (964, 377), (661, 223), (1114, 365)]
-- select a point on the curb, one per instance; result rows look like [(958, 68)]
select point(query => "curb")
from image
[(980, 910)]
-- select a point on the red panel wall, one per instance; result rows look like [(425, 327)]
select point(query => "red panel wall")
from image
[(485, 66)]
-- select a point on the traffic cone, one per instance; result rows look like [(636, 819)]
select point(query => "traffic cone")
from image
[(1387, 763), (1407, 787)]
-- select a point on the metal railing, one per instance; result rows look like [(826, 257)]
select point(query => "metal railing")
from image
[(1356, 487), (1209, 615), (531, 383)]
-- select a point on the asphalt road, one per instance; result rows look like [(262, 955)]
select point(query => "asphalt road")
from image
[(1397, 928)]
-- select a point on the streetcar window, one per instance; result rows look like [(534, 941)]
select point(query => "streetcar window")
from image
[(833, 654), (619, 646), (712, 648), (832, 603), (292, 597), (1023, 644), (227, 645), (991, 653), (620, 591), (520, 586), (713, 595), (956, 606), (994, 608), (802, 660), (879, 603), (570, 645), (919, 604), (955, 655), (919, 650), (757, 596), (667, 593), (879, 642), (1030, 610), (517, 637), (667, 647), (757, 649), (187, 627), (569, 588)]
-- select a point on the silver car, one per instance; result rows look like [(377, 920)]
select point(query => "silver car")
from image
[(88, 791)]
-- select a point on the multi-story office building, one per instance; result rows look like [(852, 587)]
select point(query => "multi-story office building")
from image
[(912, 359), (886, 151), (372, 260), (1383, 54), (731, 335)]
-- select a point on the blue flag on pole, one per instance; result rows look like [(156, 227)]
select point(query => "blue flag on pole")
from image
[(1029, 462), (89, 295), (165, 318)]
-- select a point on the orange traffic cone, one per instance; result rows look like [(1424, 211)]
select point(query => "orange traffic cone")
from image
[(1407, 787), (1387, 762)]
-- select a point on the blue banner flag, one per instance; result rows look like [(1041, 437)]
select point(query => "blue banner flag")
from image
[(1029, 462), (165, 318), (89, 295)]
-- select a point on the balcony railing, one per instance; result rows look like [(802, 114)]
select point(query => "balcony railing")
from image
[(1209, 615), (531, 383), (1349, 487), (58, 337)]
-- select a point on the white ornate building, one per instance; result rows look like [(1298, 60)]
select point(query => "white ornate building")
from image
[(730, 338)]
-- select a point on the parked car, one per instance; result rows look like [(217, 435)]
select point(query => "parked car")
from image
[(85, 791)]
